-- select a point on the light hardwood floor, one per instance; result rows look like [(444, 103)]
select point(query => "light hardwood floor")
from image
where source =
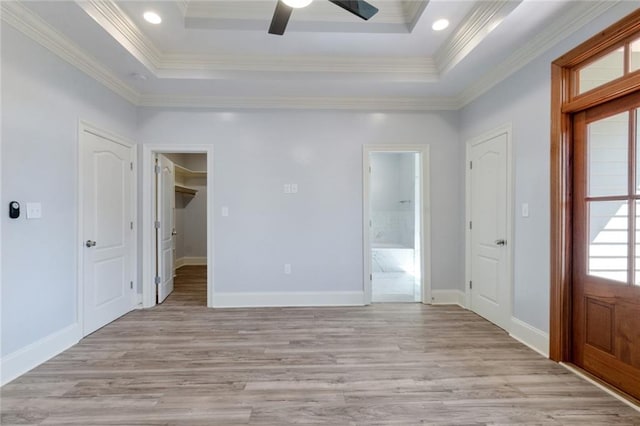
[(397, 364)]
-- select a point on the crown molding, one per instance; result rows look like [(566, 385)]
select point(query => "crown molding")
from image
[(479, 22), (302, 103), (396, 69), (576, 17), (114, 21), (168, 65), (24, 20), (34, 27)]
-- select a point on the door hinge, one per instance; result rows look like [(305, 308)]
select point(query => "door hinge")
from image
[(131, 285), (369, 224), (470, 165), (157, 170), (470, 225), (131, 225), (369, 169), (157, 280), (471, 285), (370, 277), (131, 164), (157, 224)]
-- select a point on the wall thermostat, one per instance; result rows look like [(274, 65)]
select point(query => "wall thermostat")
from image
[(14, 210)]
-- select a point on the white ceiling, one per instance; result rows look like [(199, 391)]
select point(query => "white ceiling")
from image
[(218, 52)]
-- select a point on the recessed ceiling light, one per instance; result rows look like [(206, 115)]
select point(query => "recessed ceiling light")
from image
[(440, 25), (297, 3), (152, 17)]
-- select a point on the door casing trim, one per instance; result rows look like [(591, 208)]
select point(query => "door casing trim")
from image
[(148, 202), (425, 220), (504, 129)]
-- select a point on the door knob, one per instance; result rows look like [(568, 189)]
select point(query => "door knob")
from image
[(501, 242), (174, 232), (90, 243)]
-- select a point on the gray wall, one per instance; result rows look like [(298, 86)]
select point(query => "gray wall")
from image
[(319, 229), (523, 100), (43, 98)]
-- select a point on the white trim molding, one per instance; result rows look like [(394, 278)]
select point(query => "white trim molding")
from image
[(288, 299), (25, 359), (408, 69), (447, 297), (423, 152), (579, 14), (21, 18), (148, 217), (527, 334)]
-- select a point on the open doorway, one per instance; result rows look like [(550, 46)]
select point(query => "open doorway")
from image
[(396, 203), (177, 226), (181, 223)]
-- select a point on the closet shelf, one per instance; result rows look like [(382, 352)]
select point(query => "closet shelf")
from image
[(185, 190), (188, 173)]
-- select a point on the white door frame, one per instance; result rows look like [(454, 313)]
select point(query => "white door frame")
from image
[(84, 126), (148, 216), (425, 215), (505, 129)]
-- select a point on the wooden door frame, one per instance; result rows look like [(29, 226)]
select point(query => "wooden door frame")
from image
[(148, 216), (507, 130), (86, 127), (425, 215), (565, 102)]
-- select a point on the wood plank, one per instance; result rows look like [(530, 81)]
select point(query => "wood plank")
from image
[(181, 363)]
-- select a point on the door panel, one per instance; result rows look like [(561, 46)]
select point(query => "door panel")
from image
[(165, 233), (605, 297), (490, 293), (107, 213)]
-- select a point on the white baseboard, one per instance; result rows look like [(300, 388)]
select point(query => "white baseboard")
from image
[(21, 361), (254, 300), (536, 339), (193, 260), (447, 297)]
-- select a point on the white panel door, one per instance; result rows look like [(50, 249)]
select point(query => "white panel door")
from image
[(166, 230), (107, 230), (490, 294)]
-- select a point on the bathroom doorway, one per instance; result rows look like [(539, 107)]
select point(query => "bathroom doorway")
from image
[(396, 200)]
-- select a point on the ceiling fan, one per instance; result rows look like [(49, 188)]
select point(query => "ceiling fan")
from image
[(284, 8)]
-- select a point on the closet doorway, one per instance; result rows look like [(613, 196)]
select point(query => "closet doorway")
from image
[(177, 226)]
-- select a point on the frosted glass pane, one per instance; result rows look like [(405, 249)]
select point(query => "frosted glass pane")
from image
[(634, 59), (602, 71), (608, 151), (608, 237)]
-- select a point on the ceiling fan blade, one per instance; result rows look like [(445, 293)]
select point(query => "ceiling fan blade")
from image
[(358, 7), (280, 18)]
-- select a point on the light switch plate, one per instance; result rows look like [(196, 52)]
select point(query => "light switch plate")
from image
[(225, 211), (525, 209), (294, 188), (34, 210), (287, 188)]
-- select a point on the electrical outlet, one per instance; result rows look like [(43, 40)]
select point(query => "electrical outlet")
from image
[(294, 188)]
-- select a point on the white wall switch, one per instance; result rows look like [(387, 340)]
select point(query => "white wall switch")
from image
[(287, 188), (225, 211), (34, 210), (287, 268), (525, 209), (294, 188)]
